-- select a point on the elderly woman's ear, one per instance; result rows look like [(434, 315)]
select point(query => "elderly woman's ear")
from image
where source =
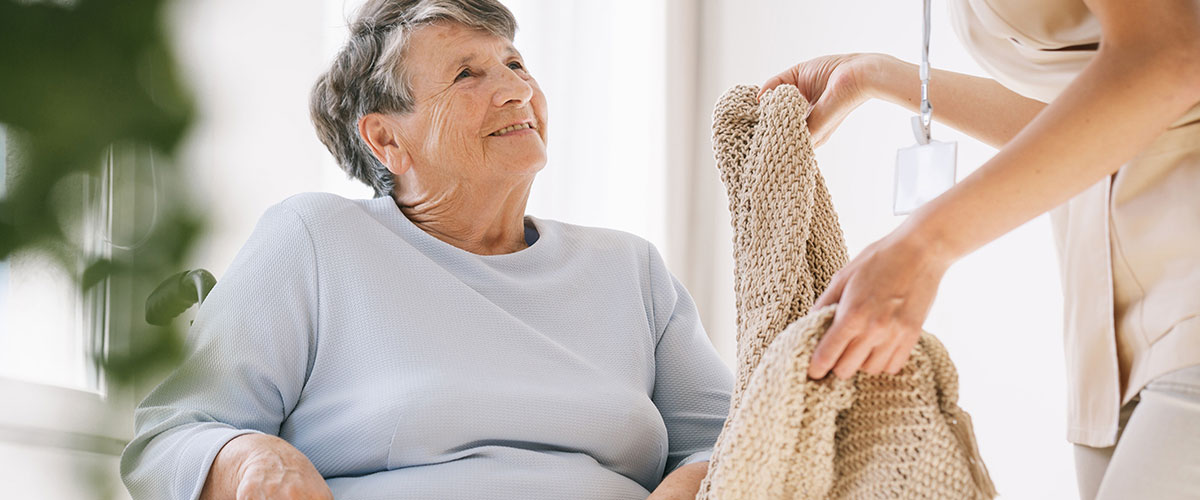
[(380, 132)]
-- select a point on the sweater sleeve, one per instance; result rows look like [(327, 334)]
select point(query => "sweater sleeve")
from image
[(248, 355), (692, 386)]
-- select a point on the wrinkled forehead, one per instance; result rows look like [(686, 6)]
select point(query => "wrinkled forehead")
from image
[(448, 46)]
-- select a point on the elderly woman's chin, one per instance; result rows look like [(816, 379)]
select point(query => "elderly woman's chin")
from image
[(522, 154)]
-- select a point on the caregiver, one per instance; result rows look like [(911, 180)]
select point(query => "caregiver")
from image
[(1094, 111)]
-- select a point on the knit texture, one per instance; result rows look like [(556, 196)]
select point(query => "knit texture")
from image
[(873, 436)]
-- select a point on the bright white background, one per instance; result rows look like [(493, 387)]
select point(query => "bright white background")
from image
[(631, 84)]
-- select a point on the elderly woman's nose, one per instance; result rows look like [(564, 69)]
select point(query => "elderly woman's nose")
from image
[(512, 88)]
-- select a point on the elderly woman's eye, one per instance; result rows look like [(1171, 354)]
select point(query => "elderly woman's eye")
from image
[(516, 65), (462, 74)]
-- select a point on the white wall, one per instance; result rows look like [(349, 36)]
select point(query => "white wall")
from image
[(251, 65)]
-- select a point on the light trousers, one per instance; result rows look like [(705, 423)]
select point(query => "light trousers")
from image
[(1157, 455)]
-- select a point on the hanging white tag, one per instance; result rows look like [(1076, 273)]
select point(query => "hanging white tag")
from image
[(926, 169), (923, 171)]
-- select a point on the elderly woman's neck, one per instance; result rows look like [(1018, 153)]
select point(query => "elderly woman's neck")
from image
[(487, 223)]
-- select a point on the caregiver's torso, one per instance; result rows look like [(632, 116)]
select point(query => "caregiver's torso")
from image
[(1034, 47), (1129, 246)]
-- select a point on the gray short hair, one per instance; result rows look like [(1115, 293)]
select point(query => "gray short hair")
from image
[(369, 76)]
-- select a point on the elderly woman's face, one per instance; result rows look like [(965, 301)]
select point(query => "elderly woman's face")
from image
[(478, 113)]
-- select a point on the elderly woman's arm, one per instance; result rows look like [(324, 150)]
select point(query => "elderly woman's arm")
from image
[(263, 466), (249, 352), (692, 386), (683, 484)]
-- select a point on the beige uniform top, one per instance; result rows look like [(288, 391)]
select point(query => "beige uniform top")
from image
[(1129, 246)]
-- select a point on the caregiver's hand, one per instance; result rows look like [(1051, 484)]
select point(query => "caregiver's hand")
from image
[(263, 467), (883, 297), (835, 85)]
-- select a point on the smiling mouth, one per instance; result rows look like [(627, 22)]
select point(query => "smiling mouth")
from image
[(512, 128)]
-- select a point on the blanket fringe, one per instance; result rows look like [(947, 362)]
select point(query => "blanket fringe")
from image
[(960, 425)]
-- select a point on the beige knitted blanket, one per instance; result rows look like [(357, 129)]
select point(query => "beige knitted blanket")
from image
[(871, 437)]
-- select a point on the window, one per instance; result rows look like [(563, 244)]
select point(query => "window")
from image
[(54, 393), (47, 327)]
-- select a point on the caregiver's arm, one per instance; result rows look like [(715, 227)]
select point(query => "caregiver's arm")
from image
[(978, 107), (837, 84), (1145, 75)]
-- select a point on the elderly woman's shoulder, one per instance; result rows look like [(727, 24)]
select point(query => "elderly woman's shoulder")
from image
[(316, 202), (318, 207), (319, 213)]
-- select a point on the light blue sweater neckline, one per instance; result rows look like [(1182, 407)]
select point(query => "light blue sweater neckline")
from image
[(538, 235)]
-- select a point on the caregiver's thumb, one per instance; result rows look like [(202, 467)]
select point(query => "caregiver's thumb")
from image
[(835, 85)]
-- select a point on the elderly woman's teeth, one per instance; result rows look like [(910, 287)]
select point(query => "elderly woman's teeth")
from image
[(506, 130)]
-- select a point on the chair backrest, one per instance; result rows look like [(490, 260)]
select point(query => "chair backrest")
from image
[(176, 294)]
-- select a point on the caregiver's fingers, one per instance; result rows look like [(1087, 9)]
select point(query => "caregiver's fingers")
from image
[(825, 113), (879, 358), (833, 293), (900, 357), (790, 76), (829, 350), (835, 104), (852, 358)]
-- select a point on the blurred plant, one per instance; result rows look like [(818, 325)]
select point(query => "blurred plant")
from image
[(77, 77), (80, 79)]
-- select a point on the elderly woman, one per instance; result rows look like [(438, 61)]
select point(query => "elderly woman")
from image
[(434, 342)]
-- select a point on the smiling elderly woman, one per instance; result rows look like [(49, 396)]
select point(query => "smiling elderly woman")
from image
[(434, 342)]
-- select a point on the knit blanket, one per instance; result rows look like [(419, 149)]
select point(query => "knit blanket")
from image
[(870, 437)]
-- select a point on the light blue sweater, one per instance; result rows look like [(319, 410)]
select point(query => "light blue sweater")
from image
[(407, 368)]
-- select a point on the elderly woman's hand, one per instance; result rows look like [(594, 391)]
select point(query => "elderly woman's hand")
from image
[(263, 467), (834, 84), (883, 297), (681, 484)]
